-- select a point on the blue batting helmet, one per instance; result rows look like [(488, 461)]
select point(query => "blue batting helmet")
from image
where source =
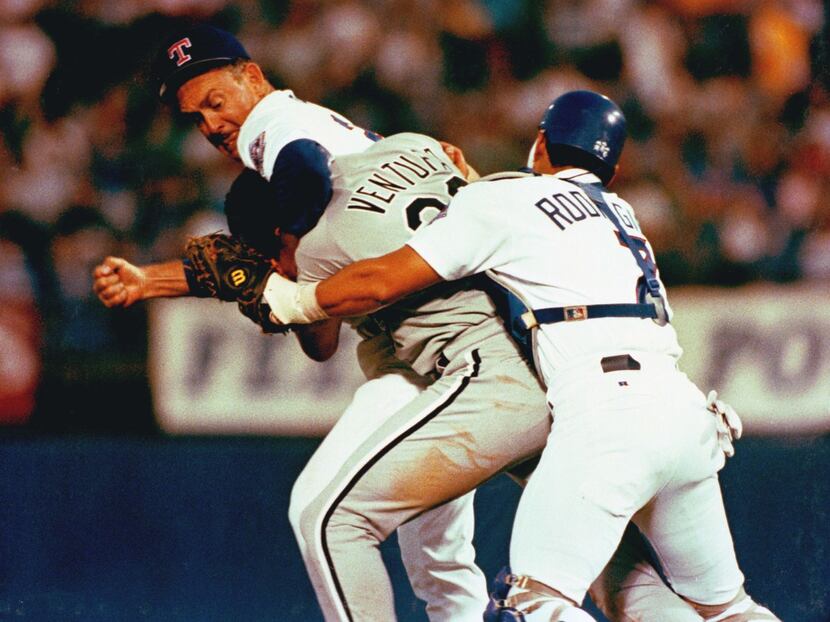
[(585, 129)]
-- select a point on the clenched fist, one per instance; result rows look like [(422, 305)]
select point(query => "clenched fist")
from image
[(118, 283)]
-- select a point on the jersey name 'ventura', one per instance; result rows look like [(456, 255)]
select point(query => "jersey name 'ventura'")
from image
[(405, 171)]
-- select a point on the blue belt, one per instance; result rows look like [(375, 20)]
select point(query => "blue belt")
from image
[(552, 315)]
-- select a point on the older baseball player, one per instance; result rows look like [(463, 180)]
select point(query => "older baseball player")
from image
[(207, 74), (633, 438), (168, 280)]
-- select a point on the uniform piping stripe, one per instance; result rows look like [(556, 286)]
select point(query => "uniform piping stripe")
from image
[(465, 381)]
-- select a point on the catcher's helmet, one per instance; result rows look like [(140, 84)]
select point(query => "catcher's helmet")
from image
[(186, 53), (585, 129)]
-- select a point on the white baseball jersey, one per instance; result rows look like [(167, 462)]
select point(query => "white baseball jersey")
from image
[(439, 542), (380, 198), (280, 118), (632, 441), (543, 239)]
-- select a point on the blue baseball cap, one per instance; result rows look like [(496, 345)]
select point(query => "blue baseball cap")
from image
[(192, 51)]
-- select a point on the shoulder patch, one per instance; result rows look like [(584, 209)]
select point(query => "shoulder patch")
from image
[(257, 152)]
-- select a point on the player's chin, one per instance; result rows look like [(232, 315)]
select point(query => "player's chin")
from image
[(231, 152)]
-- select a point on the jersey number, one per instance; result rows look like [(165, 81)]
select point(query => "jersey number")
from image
[(414, 218), (641, 246)]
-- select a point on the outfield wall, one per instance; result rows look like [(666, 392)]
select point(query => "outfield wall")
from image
[(766, 349), (195, 529)]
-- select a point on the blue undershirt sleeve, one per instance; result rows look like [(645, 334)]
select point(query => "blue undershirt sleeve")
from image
[(302, 184)]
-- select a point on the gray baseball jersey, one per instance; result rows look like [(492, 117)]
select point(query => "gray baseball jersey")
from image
[(381, 197)]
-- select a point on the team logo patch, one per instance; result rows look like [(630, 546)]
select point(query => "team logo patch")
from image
[(176, 51), (602, 148), (257, 152)]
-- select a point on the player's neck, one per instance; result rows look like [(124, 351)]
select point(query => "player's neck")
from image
[(546, 168)]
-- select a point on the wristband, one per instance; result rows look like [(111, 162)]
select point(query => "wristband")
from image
[(292, 303), (195, 287)]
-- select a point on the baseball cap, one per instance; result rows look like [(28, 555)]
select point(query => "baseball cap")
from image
[(189, 52)]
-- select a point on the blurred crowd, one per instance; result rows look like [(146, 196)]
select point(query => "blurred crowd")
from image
[(728, 165)]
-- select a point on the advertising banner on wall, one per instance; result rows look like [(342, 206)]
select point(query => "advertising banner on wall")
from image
[(766, 350), (213, 371)]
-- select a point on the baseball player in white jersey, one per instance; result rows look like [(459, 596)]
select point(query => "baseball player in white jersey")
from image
[(206, 73), (632, 438)]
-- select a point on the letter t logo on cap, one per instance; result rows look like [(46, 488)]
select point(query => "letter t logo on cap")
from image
[(176, 51)]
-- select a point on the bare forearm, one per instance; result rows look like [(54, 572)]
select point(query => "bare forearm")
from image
[(165, 280), (355, 290), (360, 288), (319, 341), (118, 283)]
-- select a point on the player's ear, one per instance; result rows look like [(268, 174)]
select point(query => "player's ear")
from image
[(456, 156), (540, 153), (614, 176), (255, 77)]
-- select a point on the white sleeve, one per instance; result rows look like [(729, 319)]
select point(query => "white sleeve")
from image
[(281, 118), (470, 236), (261, 152)]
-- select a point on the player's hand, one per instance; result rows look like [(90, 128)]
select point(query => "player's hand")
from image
[(117, 282), (457, 157), (728, 423)]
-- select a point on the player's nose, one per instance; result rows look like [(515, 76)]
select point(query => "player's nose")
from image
[(212, 123)]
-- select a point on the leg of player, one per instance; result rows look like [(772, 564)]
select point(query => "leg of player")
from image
[(688, 526), (485, 413), (630, 588), (437, 552), (741, 608), (617, 453), (437, 547)]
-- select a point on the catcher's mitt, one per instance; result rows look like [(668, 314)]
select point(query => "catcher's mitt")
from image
[(229, 269)]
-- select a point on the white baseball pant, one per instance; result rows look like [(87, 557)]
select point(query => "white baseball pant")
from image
[(627, 445)]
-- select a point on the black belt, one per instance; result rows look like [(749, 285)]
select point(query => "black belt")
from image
[(620, 362), (552, 315)]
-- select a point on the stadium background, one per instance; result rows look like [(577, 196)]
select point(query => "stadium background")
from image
[(146, 455)]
